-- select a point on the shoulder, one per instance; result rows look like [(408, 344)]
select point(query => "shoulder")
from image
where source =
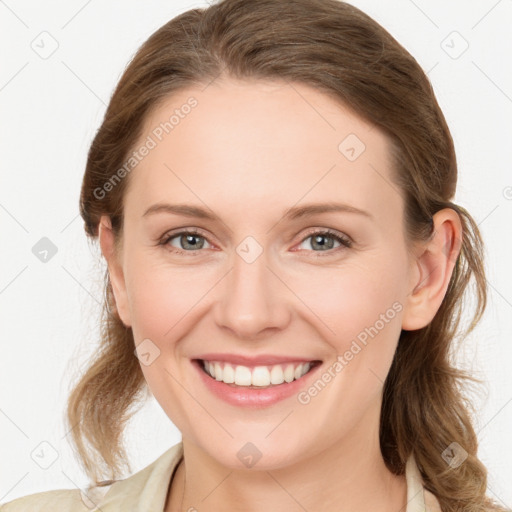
[(145, 489), (418, 496), (71, 500), (65, 499), (431, 502)]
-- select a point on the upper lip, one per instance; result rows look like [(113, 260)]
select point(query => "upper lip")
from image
[(261, 360)]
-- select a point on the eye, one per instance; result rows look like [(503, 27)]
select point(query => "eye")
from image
[(324, 241), (187, 241), (191, 241)]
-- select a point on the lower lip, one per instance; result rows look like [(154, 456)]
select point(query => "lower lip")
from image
[(253, 397)]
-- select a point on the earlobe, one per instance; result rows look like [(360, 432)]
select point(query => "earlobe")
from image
[(433, 270), (107, 243)]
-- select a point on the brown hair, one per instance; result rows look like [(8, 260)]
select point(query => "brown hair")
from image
[(337, 49)]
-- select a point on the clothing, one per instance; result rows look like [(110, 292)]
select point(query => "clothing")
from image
[(146, 491)]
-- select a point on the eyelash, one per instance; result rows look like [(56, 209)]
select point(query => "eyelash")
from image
[(345, 242)]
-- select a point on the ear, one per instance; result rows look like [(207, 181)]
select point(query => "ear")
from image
[(107, 243), (432, 270)]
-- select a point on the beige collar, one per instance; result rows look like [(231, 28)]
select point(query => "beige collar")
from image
[(146, 490)]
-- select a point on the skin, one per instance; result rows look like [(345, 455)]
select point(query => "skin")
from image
[(249, 151)]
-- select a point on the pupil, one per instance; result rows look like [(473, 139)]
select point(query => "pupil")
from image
[(318, 240), (191, 241)]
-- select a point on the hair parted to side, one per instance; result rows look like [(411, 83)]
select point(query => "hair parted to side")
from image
[(337, 49)]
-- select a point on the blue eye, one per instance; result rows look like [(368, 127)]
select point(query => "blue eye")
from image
[(191, 242), (187, 240), (326, 239)]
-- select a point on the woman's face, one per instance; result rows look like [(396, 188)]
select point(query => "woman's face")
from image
[(261, 281)]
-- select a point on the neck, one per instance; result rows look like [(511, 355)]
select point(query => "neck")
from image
[(349, 477)]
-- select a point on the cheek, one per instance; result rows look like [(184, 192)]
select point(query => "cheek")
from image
[(350, 300), (166, 301), (360, 311), (342, 300), (159, 294)]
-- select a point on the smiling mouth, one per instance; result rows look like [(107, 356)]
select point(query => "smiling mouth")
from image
[(256, 376)]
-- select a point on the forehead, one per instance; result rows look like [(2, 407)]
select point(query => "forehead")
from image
[(259, 143)]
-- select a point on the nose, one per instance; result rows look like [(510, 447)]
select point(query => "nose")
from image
[(253, 300)]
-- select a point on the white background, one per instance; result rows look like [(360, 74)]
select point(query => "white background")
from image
[(50, 110)]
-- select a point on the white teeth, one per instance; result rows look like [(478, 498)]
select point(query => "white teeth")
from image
[(289, 373), (260, 376), (218, 371), (229, 374), (242, 376), (276, 375)]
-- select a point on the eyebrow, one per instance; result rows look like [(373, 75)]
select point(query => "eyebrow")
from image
[(293, 213)]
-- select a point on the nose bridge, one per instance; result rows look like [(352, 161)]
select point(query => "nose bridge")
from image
[(253, 297)]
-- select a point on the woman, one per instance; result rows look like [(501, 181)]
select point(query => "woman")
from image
[(241, 141)]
